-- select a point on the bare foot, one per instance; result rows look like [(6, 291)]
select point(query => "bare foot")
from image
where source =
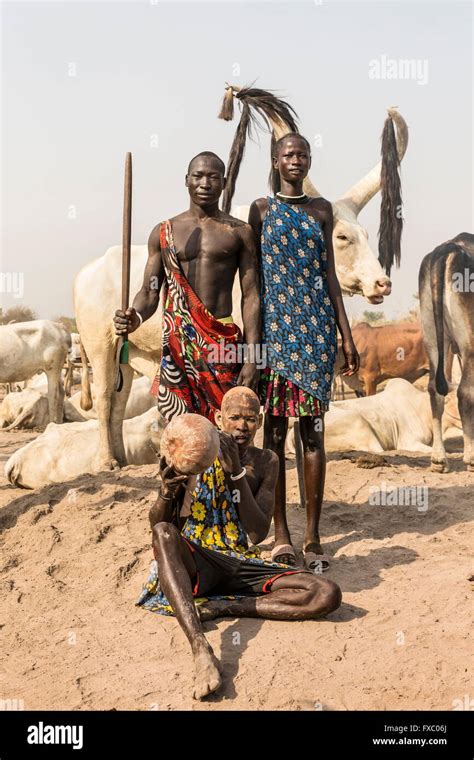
[(207, 677)]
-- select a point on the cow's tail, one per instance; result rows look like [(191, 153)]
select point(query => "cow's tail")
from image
[(86, 395), (10, 472), (438, 271), (13, 472)]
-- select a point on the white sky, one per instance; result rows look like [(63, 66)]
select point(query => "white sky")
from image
[(144, 69)]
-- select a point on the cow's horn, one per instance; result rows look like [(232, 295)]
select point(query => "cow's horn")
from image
[(365, 189), (19, 420)]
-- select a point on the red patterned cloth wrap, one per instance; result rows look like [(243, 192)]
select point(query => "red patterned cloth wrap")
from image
[(189, 380), (283, 398)]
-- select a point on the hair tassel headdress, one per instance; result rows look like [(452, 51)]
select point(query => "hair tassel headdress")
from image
[(257, 106)]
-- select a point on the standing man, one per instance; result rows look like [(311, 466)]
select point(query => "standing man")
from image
[(197, 254)]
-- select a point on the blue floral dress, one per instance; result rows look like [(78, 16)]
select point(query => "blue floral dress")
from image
[(298, 318)]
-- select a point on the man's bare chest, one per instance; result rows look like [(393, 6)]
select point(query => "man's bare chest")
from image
[(213, 245)]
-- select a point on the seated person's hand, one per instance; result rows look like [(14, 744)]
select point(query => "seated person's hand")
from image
[(171, 481), (229, 454)]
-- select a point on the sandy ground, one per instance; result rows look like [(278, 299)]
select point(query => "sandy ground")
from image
[(75, 556)]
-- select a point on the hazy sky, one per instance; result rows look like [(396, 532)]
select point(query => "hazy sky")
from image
[(82, 83)]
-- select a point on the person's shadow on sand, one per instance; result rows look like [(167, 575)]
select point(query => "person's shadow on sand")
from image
[(235, 639), (239, 632), (354, 573)]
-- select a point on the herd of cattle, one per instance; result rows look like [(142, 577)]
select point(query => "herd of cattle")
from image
[(401, 417)]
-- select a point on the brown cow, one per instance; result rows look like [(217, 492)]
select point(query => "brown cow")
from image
[(386, 352)]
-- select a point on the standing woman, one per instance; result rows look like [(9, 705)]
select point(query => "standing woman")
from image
[(301, 306)]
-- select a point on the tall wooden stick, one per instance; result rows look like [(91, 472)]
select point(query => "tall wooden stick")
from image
[(122, 346)]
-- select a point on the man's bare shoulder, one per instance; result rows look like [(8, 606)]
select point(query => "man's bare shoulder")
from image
[(175, 221), (154, 237), (246, 234), (233, 221), (270, 458), (184, 216), (242, 230), (155, 233), (263, 459)]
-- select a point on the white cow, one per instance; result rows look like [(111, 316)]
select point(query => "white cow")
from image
[(397, 418), (139, 400), (29, 347), (25, 409), (29, 408), (64, 452)]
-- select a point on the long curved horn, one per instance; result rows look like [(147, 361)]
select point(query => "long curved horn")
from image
[(21, 418), (365, 189)]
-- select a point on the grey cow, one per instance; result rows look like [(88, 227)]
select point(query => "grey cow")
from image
[(446, 282)]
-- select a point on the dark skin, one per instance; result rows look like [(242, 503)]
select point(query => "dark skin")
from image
[(293, 161), (211, 247), (296, 597)]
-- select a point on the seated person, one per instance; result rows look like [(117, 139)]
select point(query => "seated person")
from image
[(209, 556)]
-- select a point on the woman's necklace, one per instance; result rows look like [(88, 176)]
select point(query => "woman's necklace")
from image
[(293, 198)]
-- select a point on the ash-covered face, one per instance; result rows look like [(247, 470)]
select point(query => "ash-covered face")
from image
[(240, 416)]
